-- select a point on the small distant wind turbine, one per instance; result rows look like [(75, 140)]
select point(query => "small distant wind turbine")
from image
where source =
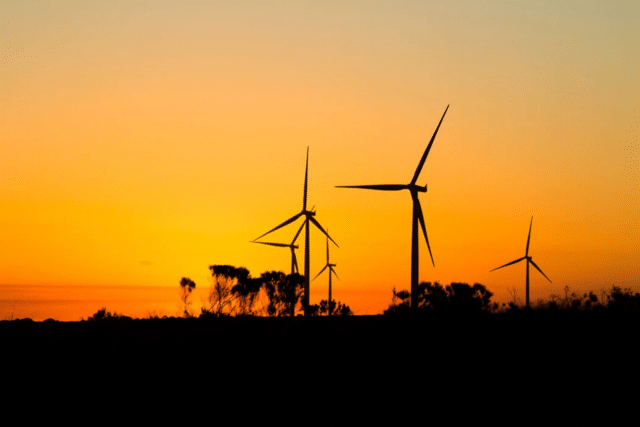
[(309, 217), (414, 189), (331, 271), (529, 261), (292, 246)]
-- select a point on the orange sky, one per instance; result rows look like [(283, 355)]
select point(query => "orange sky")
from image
[(144, 142)]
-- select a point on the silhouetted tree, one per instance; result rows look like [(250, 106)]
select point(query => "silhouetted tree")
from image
[(623, 300), (221, 300), (400, 303), (186, 287), (246, 292), (284, 292), (432, 296), (469, 299)]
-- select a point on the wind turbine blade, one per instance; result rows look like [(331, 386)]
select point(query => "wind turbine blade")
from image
[(327, 248), (306, 174), (512, 262), (529, 237), (317, 224), (538, 268), (382, 187), (426, 152), (297, 234), (325, 267), (289, 221), (280, 245), (416, 202), (295, 260), (334, 272)]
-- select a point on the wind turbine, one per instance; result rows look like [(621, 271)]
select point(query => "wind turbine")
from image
[(331, 271), (292, 246), (417, 216), (529, 261), (308, 217)]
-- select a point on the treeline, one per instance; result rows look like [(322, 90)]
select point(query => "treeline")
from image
[(462, 298), (234, 292), (615, 299)]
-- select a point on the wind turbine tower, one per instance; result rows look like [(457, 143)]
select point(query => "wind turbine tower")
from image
[(417, 215), (331, 271), (308, 218), (529, 261)]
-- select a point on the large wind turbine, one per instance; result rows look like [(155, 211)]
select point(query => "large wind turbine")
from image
[(292, 246), (529, 261), (417, 216), (308, 217), (331, 271)]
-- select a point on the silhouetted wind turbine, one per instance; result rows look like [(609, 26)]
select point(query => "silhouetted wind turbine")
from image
[(292, 246), (331, 271), (529, 261), (417, 216), (309, 217)]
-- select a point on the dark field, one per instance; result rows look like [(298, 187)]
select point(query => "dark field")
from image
[(365, 365)]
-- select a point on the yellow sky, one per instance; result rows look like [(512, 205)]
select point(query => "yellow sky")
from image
[(144, 141)]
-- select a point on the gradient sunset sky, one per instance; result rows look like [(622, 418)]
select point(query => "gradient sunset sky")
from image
[(143, 141)]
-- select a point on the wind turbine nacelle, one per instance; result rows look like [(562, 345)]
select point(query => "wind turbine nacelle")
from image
[(417, 188), (310, 213)]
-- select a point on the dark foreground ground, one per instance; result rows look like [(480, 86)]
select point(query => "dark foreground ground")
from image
[(556, 368)]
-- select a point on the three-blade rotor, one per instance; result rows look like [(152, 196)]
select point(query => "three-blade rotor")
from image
[(309, 215), (413, 188), (525, 257)]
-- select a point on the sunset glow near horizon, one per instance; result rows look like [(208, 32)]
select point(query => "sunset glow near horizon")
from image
[(144, 141)]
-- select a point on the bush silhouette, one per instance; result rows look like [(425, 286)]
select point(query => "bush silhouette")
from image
[(623, 300), (103, 314), (337, 308), (433, 297), (186, 287)]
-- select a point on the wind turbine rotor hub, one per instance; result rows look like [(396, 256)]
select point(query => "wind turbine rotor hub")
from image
[(417, 188)]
